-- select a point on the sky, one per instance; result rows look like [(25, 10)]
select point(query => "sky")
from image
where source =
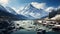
[(20, 4), (46, 5)]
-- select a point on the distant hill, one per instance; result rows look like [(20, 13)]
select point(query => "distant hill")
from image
[(53, 13)]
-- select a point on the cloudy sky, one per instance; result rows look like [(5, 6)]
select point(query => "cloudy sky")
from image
[(19, 4), (46, 5)]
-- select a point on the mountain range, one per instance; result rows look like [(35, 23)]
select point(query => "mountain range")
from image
[(29, 12), (33, 13), (10, 14)]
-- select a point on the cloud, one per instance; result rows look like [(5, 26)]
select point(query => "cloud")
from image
[(4, 2), (49, 9), (58, 7), (39, 5), (42, 6)]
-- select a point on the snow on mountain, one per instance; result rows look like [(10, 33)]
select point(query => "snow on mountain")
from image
[(33, 12), (11, 14), (2, 8), (5, 14), (10, 10)]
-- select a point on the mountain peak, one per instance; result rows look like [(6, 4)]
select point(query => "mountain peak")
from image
[(34, 11)]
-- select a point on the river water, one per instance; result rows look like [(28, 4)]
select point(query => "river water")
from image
[(32, 32), (24, 32), (48, 31)]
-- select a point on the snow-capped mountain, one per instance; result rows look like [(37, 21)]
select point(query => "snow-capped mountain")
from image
[(10, 10), (29, 12), (33, 13), (4, 13)]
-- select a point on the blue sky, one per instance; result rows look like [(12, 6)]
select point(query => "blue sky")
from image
[(21, 3), (47, 5)]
